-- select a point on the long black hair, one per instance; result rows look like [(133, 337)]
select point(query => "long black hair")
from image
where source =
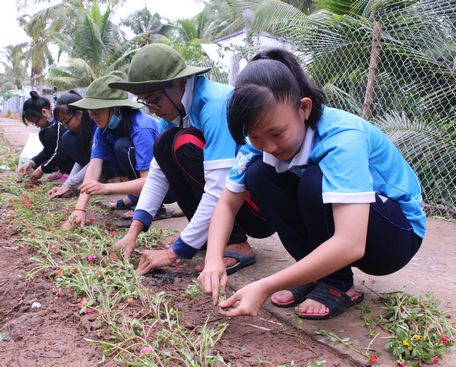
[(34, 106), (84, 133), (126, 117), (272, 76)]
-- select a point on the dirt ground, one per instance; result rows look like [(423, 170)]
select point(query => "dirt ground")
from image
[(51, 334), (54, 334), (42, 327)]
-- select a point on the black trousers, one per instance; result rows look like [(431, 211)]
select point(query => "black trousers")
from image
[(294, 207), (179, 153)]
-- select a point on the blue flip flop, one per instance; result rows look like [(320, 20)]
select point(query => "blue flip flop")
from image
[(120, 204), (242, 261)]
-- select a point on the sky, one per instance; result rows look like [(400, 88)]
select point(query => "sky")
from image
[(11, 33)]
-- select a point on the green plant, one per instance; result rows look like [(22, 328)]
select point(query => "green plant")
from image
[(422, 332), (193, 290), (142, 328)]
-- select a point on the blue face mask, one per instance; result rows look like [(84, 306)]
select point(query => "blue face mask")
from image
[(114, 123)]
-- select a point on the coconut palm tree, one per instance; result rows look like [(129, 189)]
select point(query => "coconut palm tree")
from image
[(15, 64), (95, 47)]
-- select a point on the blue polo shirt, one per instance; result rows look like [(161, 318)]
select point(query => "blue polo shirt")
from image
[(143, 131), (357, 161), (208, 113)]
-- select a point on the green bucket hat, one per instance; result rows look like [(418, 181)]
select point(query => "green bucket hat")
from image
[(100, 95), (153, 67)]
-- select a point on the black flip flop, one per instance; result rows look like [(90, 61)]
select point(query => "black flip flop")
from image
[(242, 261), (335, 300), (299, 294)]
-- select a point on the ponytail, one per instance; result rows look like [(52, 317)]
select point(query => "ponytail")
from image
[(34, 106), (272, 76)]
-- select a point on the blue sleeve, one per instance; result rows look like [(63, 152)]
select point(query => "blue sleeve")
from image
[(344, 160), (220, 146), (101, 148), (143, 140), (164, 125), (235, 182)]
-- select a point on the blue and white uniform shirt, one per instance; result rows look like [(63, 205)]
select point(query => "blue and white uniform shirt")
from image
[(143, 131), (205, 102), (357, 161)]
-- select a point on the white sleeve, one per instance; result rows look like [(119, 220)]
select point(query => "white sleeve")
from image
[(76, 175), (196, 232), (152, 195)]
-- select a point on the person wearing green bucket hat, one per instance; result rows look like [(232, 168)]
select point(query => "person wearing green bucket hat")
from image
[(122, 145), (192, 155)]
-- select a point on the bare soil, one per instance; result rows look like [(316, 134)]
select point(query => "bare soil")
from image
[(53, 333)]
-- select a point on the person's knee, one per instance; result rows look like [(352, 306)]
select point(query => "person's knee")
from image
[(69, 141), (310, 186), (188, 140), (163, 143), (122, 147), (257, 173)]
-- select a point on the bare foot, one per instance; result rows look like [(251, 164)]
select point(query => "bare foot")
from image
[(283, 297), (242, 248), (309, 306)]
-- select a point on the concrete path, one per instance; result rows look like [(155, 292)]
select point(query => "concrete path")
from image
[(15, 132), (432, 269)]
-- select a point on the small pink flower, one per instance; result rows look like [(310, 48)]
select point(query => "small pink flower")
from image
[(91, 258), (112, 233), (145, 350), (91, 220), (27, 202), (435, 361), (82, 303), (400, 363), (444, 339)]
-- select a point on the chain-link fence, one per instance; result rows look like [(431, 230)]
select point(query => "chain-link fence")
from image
[(397, 68)]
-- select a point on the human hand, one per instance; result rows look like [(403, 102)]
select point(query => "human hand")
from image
[(77, 218), (94, 187), (37, 174), (58, 191), (152, 259), (246, 301), (25, 168), (126, 245), (212, 277)]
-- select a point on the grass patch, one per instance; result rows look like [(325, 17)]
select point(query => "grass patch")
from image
[(140, 327), (419, 331), (9, 156)]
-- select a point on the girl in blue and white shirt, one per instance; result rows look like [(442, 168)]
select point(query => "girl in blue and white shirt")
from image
[(335, 188)]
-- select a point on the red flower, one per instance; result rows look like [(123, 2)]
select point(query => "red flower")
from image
[(373, 358), (112, 233), (400, 363), (27, 202), (444, 339), (435, 361), (91, 220)]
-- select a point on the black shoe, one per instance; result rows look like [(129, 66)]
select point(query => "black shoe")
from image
[(162, 213)]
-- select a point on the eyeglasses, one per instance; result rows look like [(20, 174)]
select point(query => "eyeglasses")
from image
[(152, 103), (67, 121)]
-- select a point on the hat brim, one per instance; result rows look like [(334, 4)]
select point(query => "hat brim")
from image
[(95, 103), (151, 85)]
